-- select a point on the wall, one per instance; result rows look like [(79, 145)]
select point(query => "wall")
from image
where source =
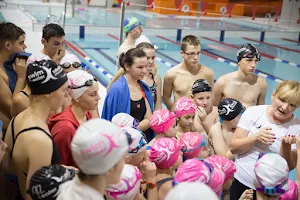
[(290, 10)]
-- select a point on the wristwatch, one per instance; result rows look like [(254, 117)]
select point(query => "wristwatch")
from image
[(151, 185)]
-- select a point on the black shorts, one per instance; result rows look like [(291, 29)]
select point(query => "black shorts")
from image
[(237, 189)]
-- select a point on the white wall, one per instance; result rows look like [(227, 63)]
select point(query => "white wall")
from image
[(290, 10)]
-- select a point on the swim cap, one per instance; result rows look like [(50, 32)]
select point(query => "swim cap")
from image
[(162, 120), (80, 81), (184, 106), (196, 190), (248, 51), (229, 109), (224, 164), (129, 185), (98, 145), (138, 143), (191, 144), (124, 119), (130, 23), (70, 59), (45, 182), (292, 193), (200, 85), (194, 170), (141, 39), (44, 77), (164, 152), (272, 173)]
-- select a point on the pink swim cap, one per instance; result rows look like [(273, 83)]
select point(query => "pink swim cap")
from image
[(164, 152), (292, 193), (162, 120), (191, 144), (194, 170), (184, 106), (129, 185), (224, 164)]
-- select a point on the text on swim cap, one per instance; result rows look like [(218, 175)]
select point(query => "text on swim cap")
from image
[(93, 150)]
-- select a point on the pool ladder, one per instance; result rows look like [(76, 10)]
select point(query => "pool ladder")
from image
[(54, 19)]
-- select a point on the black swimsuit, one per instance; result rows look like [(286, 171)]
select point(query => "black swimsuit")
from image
[(138, 108), (55, 154)]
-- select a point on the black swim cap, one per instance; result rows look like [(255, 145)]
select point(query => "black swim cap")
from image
[(248, 51), (200, 85), (229, 109), (45, 182), (44, 77)]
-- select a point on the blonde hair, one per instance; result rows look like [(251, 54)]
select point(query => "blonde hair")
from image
[(289, 91)]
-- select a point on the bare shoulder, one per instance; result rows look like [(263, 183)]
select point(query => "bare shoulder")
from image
[(223, 79), (262, 82), (207, 70), (171, 73)]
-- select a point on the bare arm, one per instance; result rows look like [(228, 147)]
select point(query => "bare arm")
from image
[(262, 96), (37, 158), (217, 92), (145, 123), (168, 89), (286, 151), (220, 146), (158, 82), (241, 142), (20, 102), (5, 99)]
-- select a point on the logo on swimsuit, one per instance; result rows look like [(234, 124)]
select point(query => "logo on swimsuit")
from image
[(228, 108), (138, 106)]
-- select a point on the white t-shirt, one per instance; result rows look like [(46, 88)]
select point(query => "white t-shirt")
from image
[(39, 57), (254, 119), (76, 190)]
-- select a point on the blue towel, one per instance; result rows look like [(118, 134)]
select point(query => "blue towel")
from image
[(12, 75)]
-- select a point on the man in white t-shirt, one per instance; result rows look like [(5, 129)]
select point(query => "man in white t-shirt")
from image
[(54, 42), (260, 130)]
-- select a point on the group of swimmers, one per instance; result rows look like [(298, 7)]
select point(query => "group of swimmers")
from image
[(213, 141)]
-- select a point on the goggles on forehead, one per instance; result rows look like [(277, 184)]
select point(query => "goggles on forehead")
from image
[(252, 55), (142, 143), (88, 83), (203, 143), (67, 65)]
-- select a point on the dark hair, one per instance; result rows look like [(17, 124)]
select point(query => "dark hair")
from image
[(52, 30), (130, 55), (191, 40), (145, 45), (10, 32)]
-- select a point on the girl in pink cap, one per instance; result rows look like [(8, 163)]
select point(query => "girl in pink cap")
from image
[(165, 153), (228, 168), (194, 145), (163, 123), (194, 170), (185, 113)]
